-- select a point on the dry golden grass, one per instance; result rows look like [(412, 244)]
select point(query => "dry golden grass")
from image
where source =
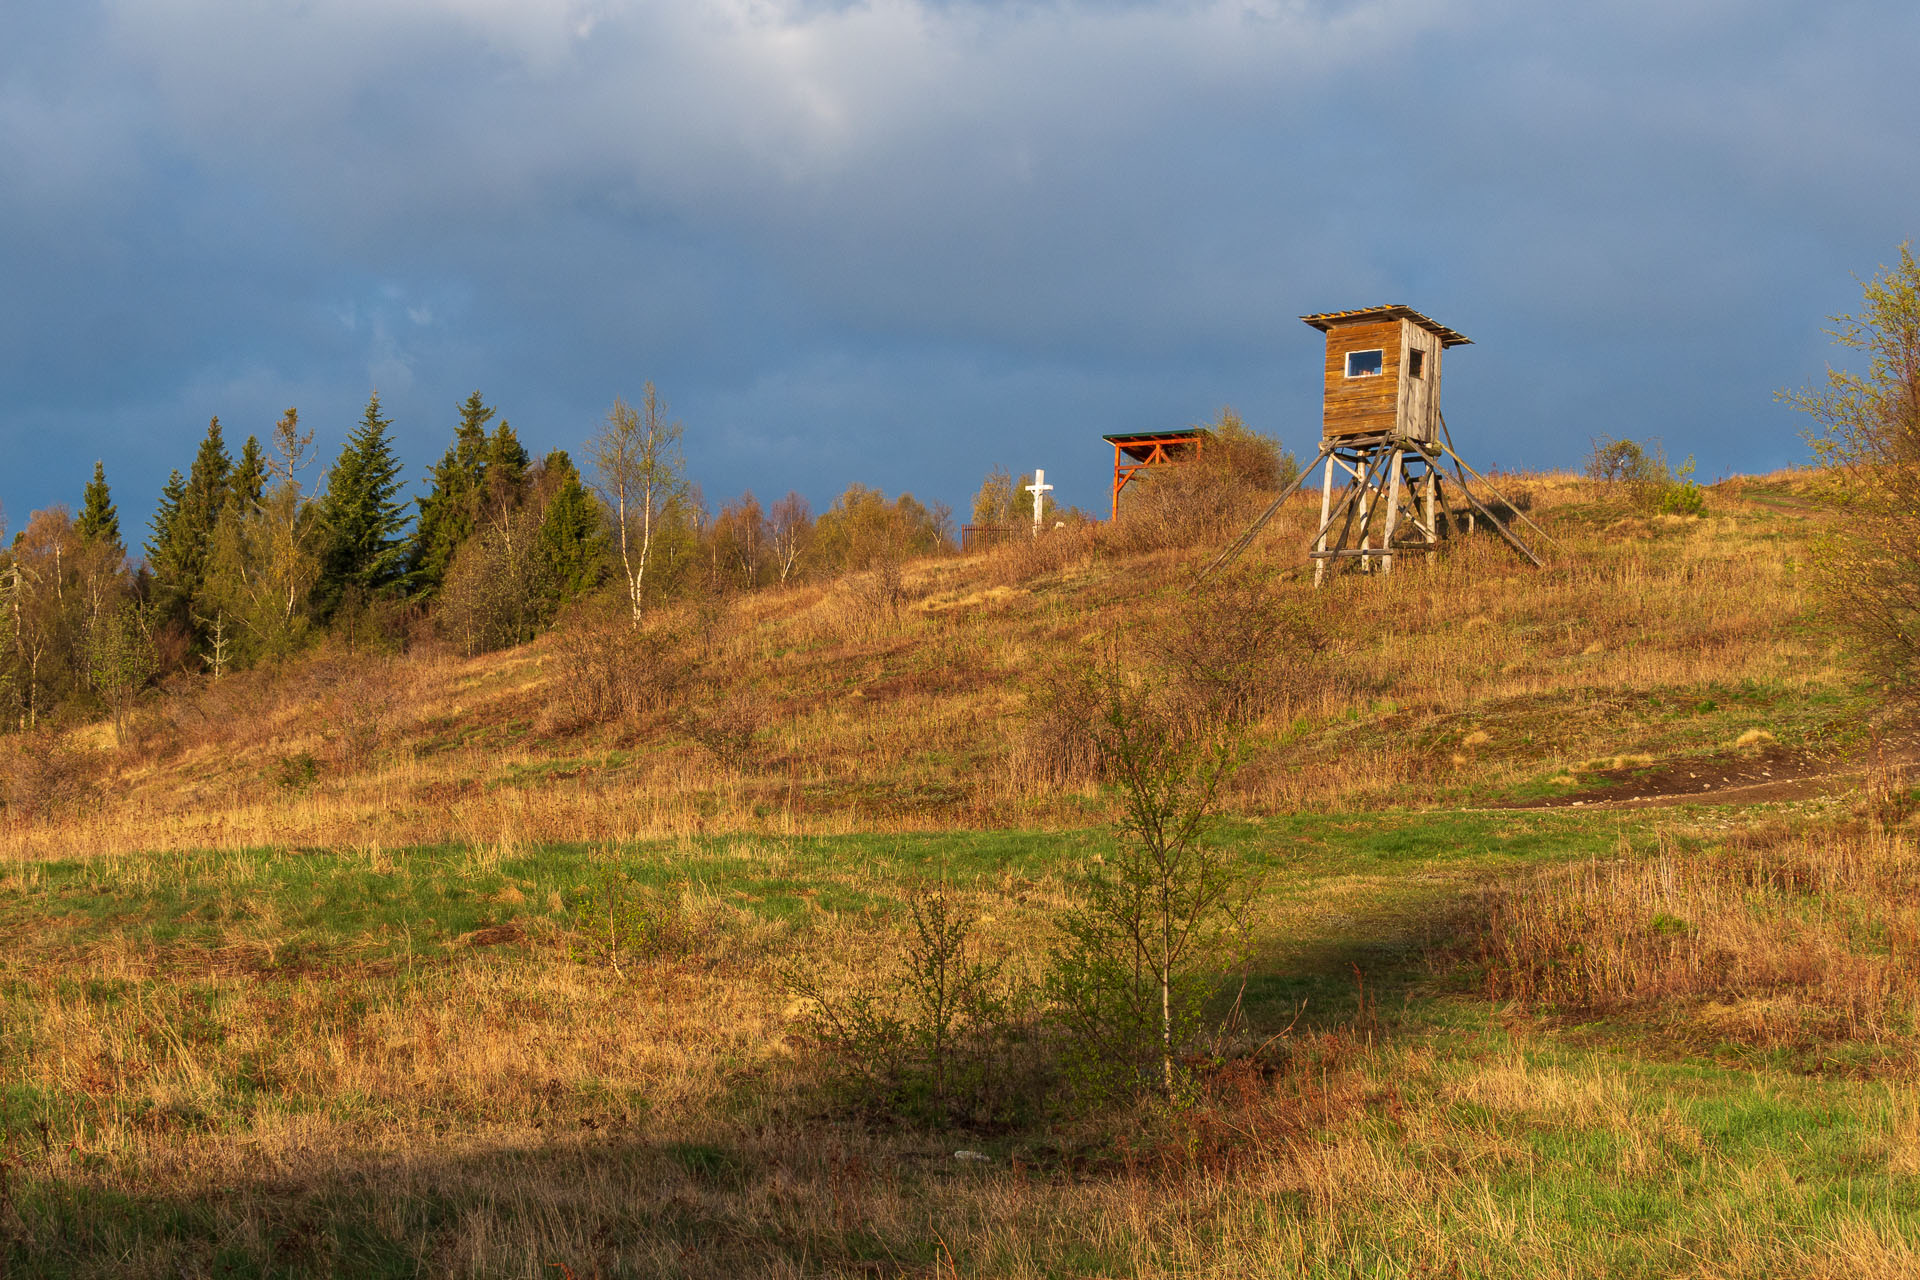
[(1774, 939), (224, 1075), (1372, 1161), (1462, 676), (303, 984)]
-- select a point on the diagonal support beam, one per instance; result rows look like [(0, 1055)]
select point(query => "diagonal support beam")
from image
[(1495, 492), (1241, 543), (1494, 520)]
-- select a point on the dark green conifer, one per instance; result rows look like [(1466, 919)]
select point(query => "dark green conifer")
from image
[(249, 479), (207, 480), (160, 544), (360, 522), (507, 460), (455, 488), (568, 547), (99, 519), (182, 563)]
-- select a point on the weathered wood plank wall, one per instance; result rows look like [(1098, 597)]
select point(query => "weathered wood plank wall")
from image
[(1362, 406), (1419, 398)]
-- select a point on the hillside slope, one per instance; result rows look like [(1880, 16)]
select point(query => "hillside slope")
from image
[(1649, 646)]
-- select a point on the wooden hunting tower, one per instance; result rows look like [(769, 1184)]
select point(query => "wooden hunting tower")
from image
[(1382, 430), (1383, 373)]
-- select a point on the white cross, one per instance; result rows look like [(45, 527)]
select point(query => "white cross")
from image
[(1039, 488)]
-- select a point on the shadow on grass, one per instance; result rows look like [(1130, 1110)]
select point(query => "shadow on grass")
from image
[(583, 1208)]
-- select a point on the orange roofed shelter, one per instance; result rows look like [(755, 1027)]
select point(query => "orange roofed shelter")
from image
[(1135, 452)]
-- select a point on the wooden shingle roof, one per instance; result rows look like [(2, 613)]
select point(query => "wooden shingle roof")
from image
[(1325, 320)]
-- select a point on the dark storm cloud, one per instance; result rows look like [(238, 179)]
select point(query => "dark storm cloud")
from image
[(896, 242)]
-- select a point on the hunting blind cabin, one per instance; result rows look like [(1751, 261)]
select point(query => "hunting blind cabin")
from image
[(1382, 431)]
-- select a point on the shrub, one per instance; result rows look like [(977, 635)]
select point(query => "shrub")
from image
[(1245, 457), (726, 729), (1643, 475), (942, 1035), (1237, 652), (619, 921), (358, 708), (1241, 651), (293, 772), (612, 670), (1057, 745), (1181, 506), (42, 773), (1867, 437), (1209, 499), (1162, 921), (1682, 497)]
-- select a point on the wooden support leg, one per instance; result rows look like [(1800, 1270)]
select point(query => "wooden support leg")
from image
[(1326, 511), (1397, 467), (1433, 530), (1370, 488)]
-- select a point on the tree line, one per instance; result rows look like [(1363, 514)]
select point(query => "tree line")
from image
[(253, 557)]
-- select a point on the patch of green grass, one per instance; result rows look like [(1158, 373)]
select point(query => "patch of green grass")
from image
[(308, 906), (1699, 1152)]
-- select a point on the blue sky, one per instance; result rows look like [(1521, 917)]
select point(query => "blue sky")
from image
[(899, 242)]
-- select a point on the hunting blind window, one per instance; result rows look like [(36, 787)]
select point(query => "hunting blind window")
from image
[(1416, 361), (1365, 364)]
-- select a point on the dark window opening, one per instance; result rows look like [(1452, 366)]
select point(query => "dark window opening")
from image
[(1416, 362), (1365, 364)]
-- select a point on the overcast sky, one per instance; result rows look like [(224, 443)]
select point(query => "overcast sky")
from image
[(898, 242)]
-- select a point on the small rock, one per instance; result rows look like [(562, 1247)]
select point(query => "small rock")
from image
[(970, 1157)]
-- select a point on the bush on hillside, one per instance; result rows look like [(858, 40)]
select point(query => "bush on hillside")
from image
[(1209, 500), (1057, 747), (358, 709), (1867, 436), (42, 773), (1246, 457), (1236, 652), (612, 671), (1641, 475), (938, 1032), (1242, 651)]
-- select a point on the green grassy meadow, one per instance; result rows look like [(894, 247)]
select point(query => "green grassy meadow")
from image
[(299, 1062)]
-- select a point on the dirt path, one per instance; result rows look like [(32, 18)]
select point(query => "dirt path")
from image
[(1769, 777)]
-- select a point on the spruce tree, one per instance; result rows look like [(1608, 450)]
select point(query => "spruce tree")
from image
[(360, 523), (447, 513), (262, 568), (207, 480), (161, 526), (99, 521), (568, 548), (164, 548), (506, 461), (249, 480), (181, 563)]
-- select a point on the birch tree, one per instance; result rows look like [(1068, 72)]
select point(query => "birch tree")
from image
[(264, 568), (1164, 918), (121, 660), (637, 462), (792, 530)]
